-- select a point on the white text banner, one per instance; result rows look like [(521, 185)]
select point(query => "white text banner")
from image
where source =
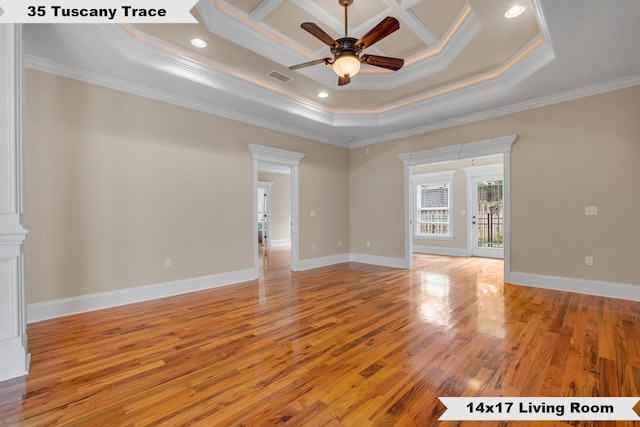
[(96, 11), (540, 408)]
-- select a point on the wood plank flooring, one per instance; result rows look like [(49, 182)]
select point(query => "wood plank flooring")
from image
[(346, 345)]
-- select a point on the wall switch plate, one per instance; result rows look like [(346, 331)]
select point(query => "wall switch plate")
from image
[(591, 210), (312, 213)]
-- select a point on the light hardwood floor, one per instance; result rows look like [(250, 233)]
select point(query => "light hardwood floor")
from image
[(346, 345)]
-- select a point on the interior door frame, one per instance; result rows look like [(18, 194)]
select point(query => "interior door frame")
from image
[(266, 239), (261, 153), (500, 145), (474, 174)]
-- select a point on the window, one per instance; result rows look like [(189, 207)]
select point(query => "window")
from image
[(433, 203)]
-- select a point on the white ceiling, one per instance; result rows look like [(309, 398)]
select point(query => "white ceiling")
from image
[(463, 61)]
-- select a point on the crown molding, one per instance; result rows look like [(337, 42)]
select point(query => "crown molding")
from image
[(205, 71), (340, 120), (502, 111), (147, 92), (218, 76)]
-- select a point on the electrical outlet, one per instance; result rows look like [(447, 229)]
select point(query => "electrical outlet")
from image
[(368, 242), (339, 242), (313, 246), (591, 210), (167, 263), (312, 213), (588, 260)]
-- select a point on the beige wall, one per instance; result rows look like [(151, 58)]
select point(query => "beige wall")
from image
[(280, 213), (327, 194), (116, 183), (567, 156), (458, 202)]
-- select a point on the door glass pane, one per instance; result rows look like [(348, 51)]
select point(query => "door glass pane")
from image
[(490, 214)]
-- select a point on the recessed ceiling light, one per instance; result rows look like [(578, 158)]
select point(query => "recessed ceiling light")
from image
[(514, 11), (198, 43), (323, 95)]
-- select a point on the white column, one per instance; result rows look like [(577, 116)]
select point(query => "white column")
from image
[(14, 359)]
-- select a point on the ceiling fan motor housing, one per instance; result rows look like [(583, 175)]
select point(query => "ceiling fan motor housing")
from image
[(347, 45)]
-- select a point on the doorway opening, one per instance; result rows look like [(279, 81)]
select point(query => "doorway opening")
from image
[(274, 218), (283, 162), (264, 212), (500, 146)]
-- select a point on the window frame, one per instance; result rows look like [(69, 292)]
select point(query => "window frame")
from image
[(445, 177)]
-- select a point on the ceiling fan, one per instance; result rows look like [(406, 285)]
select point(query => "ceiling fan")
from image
[(346, 50)]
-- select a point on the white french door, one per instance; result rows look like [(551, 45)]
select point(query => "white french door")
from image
[(486, 215)]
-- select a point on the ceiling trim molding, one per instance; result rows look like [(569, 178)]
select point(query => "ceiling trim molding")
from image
[(264, 9), (149, 51), (410, 19), (224, 20), (530, 59), (542, 21), (51, 67), (435, 60), (252, 35), (502, 111)]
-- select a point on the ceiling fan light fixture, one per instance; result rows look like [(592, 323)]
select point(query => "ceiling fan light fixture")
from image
[(346, 65)]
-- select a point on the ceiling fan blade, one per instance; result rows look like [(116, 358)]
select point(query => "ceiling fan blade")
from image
[(310, 63), (319, 33), (343, 80), (383, 61), (387, 26)]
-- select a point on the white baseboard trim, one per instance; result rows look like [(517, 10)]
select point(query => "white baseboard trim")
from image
[(436, 250), (308, 264), (580, 286), (66, 306), (378, 260), (14, 359), (280, 242)]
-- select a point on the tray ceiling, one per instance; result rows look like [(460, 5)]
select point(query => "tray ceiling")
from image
[(461, 58)]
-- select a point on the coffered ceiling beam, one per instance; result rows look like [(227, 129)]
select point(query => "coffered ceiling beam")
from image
[(264, 9)]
